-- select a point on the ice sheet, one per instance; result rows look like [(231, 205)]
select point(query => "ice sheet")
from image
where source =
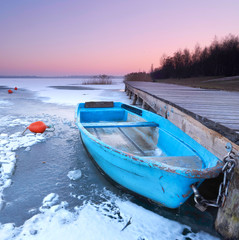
[(44, 88), (90, 220)]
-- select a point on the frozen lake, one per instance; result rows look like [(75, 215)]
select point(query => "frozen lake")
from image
[(50, 189)]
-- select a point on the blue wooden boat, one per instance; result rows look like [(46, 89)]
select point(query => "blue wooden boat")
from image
[(144, 152)]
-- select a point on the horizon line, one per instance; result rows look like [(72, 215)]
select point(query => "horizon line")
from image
[(66, 76)]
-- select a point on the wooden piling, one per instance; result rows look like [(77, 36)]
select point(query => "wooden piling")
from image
[(134, 100), (227, 222), (130, 94)]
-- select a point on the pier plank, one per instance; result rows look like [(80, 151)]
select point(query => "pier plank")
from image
[(219, 107)]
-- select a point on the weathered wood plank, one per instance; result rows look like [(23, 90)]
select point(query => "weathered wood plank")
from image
[(201, 102), (162, 105)]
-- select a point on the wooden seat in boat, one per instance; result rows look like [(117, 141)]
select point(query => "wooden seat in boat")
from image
[(118, 124)]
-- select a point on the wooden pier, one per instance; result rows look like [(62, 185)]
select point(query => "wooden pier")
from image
[(211, 117)]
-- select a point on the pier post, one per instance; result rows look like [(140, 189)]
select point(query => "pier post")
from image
[(130, 95), (145, 105), (140, 100), (135, 99), (227, 221)]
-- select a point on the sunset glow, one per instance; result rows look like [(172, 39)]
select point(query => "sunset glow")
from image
[(75, 37)]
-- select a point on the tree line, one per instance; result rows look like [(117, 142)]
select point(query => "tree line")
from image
[(221, 58), (138, 76)]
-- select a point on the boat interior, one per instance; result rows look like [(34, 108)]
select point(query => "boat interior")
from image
[(126, 130)]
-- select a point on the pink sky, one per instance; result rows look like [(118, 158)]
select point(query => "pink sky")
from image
[(59, 37)]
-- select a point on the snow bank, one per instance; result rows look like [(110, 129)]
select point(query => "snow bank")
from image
[(112, 219)]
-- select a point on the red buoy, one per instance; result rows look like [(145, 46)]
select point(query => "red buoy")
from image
[(37, 127), (15, 88), (9, 91)]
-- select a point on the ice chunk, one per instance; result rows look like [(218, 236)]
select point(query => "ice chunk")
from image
[(74, 175), (11, 156), (7, 168), (7, 230), (27, 149), (8, 154), (32, 211), (3, 135), (81, 197), (50, 200), (3, 142), (57, 207), (7, 183)]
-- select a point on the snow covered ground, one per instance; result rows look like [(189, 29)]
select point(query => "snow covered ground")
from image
[(75, 201)]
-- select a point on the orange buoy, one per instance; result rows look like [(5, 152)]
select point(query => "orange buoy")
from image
[(15, 88), (38, 127), (10, 91)]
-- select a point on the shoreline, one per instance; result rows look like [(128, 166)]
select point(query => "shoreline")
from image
[(218, 83)]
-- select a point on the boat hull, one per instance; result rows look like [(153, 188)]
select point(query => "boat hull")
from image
[(162, 183), (165, 188)]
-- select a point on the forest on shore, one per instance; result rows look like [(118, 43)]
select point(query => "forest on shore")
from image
[(221, 58)]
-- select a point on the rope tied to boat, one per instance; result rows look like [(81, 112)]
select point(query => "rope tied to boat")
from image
[(227, 170)]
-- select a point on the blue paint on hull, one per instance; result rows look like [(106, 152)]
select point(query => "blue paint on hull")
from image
[(165, 184)]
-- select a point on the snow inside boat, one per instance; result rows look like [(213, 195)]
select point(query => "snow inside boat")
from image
[(144, 152)]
